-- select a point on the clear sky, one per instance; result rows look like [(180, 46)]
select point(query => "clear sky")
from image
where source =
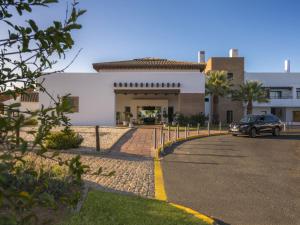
[(265, 31)]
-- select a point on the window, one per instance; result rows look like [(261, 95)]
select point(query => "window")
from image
[(275, 94), (298, 93), (229, 116), (296, 116), (206, 99), (30, 97), (73, 102), (270, 119), (230, 76)]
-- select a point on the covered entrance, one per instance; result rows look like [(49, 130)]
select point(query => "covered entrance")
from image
[(146, 106)]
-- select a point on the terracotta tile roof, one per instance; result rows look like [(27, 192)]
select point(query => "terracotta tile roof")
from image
[(149, 64)]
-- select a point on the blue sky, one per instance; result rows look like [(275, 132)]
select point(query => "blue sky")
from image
[(265, 31)]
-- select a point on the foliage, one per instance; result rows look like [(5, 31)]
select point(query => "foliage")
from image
[(192, 120), (217, 85), (27, 53), (249, 92), (63, 140), (114, 209)]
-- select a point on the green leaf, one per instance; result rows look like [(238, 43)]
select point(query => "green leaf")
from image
[(33, 25)]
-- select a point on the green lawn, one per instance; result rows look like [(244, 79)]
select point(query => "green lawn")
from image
[(102, 208)]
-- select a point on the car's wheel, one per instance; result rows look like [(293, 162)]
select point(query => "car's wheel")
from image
[(252, 133), (276, 131)]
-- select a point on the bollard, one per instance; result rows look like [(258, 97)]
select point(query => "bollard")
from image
[(169, 134), (185, 132), (97, 139), (161, 135), (220, 127), (154, 140), (208, 128), (188, 130), (177, 135), (198, 128)]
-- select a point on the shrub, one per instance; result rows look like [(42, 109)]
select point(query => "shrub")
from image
[(191, 120), (63, 140)]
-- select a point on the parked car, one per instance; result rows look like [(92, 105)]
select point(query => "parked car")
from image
[(253, 125)]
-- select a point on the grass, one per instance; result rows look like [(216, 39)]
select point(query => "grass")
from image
[(102, 208)]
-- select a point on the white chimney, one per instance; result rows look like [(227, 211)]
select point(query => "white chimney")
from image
[(233, 52), (201, 57), (287, 66)]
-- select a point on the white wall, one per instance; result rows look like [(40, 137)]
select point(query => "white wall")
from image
[(96, 91), (278, 80)]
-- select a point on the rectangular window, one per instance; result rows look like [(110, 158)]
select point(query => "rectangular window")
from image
[(30, 97), (298, 93), (275, 94), (206, 99), (229, 116), (296, 116), (230, 76), (73, 102)]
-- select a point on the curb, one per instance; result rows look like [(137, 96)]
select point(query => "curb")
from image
[(160, 150), (160, 194)]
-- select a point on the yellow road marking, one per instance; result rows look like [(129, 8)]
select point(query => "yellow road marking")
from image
[(160, 192), (194, 213)]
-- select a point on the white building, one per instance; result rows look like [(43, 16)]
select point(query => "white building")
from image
[(144, 90), (284, 95)]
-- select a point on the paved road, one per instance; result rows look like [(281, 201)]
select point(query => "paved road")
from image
[(239, 180)]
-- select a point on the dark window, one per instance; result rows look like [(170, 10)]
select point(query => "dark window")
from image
[(173, 84), (142, 85), (115, 84), (136, 84), (230, 76), (127, 109), (157, 84), (168, 84), (73, 102), (152, 84), (229, 116), (298, 92), (178, 85), (162, 84), (147, 84), (296, 116), (125, 84), (206, 99), (130, 85), (30, 97), (275, 94)]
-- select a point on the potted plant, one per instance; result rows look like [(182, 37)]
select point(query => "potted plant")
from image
[(118, 115), (165, 116), (130, 120)]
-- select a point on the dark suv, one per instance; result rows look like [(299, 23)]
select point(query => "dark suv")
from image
[(255, 124)]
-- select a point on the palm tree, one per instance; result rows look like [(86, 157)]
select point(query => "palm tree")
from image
[(217, 85), (251, 91)]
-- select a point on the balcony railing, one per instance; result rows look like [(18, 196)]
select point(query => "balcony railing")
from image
[(281, 97)]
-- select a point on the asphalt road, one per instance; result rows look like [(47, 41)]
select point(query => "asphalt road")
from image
[(239, 180)]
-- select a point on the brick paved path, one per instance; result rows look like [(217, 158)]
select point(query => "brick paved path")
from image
[(140, 141), (137, 142)]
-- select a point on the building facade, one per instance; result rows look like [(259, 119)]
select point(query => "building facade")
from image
[(144, 91), (152, 91)]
